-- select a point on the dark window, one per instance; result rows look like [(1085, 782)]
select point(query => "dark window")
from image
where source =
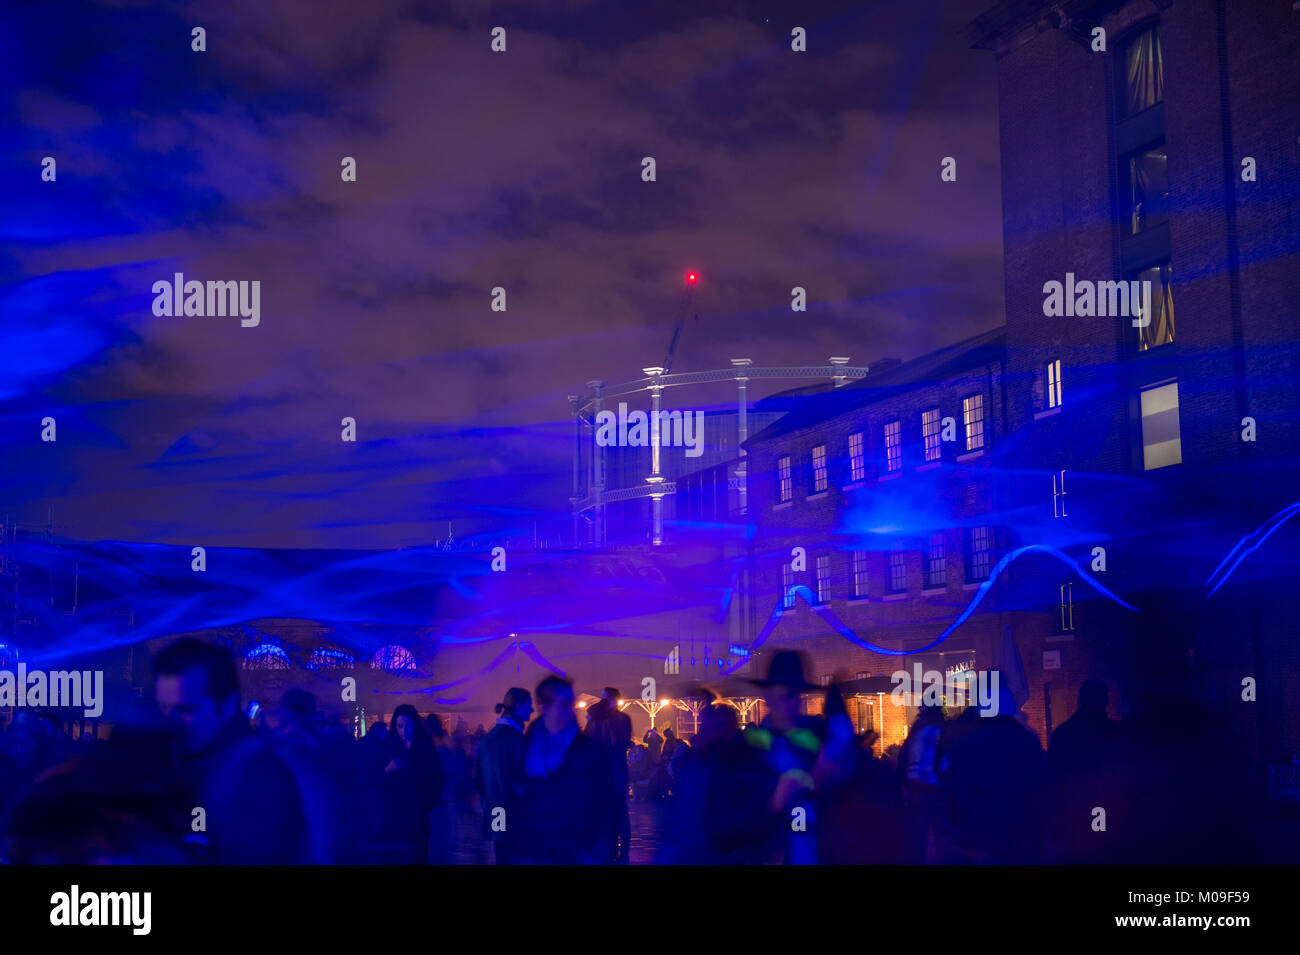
[(979, 554), (897, 569), (936, 562)]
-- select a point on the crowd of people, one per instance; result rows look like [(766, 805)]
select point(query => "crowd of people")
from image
[(209, 781)]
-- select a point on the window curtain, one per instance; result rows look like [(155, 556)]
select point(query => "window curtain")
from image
[(1160, 330), (1144, 72), (1150, 189)]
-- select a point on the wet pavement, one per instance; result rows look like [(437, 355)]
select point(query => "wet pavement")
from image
[(470, 848)]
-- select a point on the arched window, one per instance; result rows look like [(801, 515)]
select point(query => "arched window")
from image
[(266, 656), (325, 659), (393, 658)]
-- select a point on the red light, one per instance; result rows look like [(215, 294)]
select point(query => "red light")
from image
[(691, 278)]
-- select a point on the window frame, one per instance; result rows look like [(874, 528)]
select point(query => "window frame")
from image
[(859, 574), (820, 472), (858, 461), (935, 419), (787, 585), (822, 579), (934, 569), (968, 420), (1053, 395), (898, 551), (893, 449), (972, 576), (784, 479)]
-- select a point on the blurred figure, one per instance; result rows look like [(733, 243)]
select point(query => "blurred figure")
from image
[(994, 788), (567, 784), (1180, 787), (654, 744), (119, 803), (442, 820), (670, 743), (501, 772), (412, 784), (721, 814), (612, 728), (254, 811), (639, 768), (298, 721), (1081, 759), (918, 759), (791, 742), (860, 812)]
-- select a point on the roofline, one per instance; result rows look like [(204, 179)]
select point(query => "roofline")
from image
[(894, 379)]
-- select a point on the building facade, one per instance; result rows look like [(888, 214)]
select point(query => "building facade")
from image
[(1154, 142)]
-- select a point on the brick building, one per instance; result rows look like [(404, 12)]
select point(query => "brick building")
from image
[(878, 498), (1170, 157)]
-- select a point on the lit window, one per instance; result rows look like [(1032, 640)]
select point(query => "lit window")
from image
[(860, 573), (1058, 494), (819, 468), (857, 458), (330, 660), (936, 562), (787, 586), (823, 581), (1053, 371), (1162, 443), (393, 658), (893, 446), (897, 569), (1148, 188), (930, 433), (784, 481), (266, 656), (979, 554), (1144, 72), (972, 413), (1067, 607), (1158, 328)]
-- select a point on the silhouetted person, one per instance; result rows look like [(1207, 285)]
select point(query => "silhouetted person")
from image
[(670, 743), (654, 743), (567, 785), (720, 815), (612, 728), (501, 773), (994, 788), (254, 813), (918, 760), (1081, 761), (412, 784), (1181, 787), (860, 814)]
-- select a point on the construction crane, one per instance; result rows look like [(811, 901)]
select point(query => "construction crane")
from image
[(692, 278)]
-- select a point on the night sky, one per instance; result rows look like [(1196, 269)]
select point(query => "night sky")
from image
[(475, 169)]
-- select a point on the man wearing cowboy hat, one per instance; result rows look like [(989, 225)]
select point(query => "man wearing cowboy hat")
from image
[(791, 742)]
